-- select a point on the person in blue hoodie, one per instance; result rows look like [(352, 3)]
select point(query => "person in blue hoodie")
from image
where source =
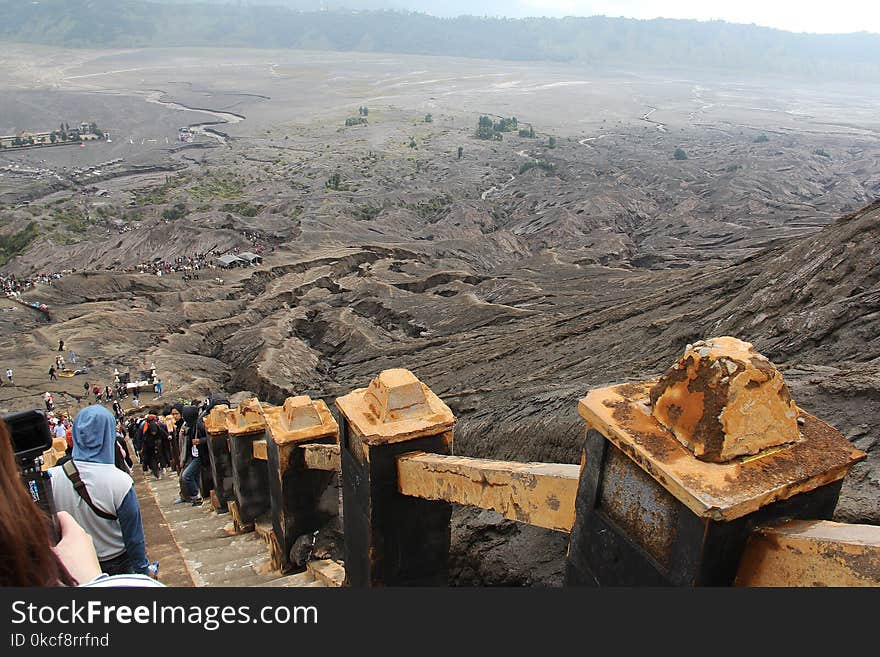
[(106, 506)]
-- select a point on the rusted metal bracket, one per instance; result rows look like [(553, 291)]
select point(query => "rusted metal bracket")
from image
[(719, 491)]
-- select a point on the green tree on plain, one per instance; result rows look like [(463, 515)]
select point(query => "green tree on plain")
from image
[(334, 182), (485, 128)]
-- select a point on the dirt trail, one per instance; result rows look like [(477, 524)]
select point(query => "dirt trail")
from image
[(646, 117)]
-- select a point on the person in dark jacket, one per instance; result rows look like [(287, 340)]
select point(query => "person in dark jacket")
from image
[(193, 451), (117, 411), (153, 437), (170, 450), (135, 434)]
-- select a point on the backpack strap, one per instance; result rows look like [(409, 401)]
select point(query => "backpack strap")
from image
[(73, 474)]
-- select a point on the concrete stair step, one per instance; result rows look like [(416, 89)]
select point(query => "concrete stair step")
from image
[(240, 578), (225, 552), (240, 572), (214, 556), (296, 580)]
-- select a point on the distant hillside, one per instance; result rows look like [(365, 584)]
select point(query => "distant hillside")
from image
[(595, 41)]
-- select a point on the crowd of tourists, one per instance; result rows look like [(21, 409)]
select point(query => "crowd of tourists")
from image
[(190, 266), (186, 264), (120, 390), (173, 442), (258, 240), (13, 286), (98, 513)]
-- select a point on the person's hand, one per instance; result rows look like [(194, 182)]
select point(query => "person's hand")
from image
[(76, 551), (196, 441)]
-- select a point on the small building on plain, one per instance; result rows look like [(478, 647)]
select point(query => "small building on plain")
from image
[(251, 258), (229, 261)]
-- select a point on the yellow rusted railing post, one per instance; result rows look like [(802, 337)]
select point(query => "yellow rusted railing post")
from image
[(295, 490), (392, 539), (246, 425), (221, 461), (677, 472)]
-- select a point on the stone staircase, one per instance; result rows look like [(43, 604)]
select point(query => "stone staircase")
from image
[(215, 556)]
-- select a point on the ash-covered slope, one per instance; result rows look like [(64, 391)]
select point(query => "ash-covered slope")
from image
[(510, 294), (818, 299), (510, 347)]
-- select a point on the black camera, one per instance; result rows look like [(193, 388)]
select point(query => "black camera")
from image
[(30, 435)]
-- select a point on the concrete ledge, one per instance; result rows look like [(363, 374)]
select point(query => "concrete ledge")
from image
[(540, 494), (812, 553)]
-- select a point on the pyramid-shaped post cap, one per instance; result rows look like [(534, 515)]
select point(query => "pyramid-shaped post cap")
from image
[(299, 413), (300, 419), (215, 421), (722, 399), (396, 395), (246, 418), (396, 406)]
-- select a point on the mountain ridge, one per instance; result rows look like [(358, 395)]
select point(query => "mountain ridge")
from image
[(595, 41)]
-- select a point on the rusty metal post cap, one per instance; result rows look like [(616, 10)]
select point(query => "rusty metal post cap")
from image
[(300, 419), (215, 421), (396, 406), (246, 418), (722, 399)]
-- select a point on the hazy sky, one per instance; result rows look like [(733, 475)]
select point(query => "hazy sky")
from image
[(792, 15)]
